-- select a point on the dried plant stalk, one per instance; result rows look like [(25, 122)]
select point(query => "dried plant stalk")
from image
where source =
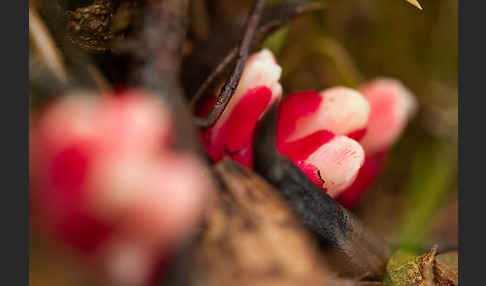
[(230, 86), (45, 46)]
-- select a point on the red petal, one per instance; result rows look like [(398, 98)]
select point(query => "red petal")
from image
[(301, 149), (295, 106), (357, 134), (70, 167), (367, 176), (204, 105), (234, 138), (312, 173), (83, 231)]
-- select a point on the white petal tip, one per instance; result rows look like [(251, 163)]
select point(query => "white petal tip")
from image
[(338, 161)]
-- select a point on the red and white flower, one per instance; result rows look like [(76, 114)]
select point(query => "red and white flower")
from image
[(339, 137), (315, 131), (103, 174), (232, 134)]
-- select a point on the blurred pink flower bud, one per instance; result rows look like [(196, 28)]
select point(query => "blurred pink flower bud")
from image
[(392, 106), (103, 171), (138, 121), (232, 134), (312, 129)]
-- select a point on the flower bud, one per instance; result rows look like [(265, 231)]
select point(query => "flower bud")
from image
[(103, 171), (392, 106), (336, 164), (232, 133), (312, 129)]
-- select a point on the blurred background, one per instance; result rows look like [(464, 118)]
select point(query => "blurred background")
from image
[(414, 204)]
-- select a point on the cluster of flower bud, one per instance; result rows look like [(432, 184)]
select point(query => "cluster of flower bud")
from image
[(338, 137), (108, 183)]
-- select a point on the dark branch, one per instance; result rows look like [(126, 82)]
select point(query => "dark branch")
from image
[(228, 89), (343, 234), (213, 59), (162, 29)]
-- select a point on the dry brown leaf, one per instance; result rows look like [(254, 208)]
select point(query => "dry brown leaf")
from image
[(88, 27), (427, 268), (415, 3), (446, 269), (405, 269)]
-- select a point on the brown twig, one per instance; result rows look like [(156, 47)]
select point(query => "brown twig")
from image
[(212, 77), (228, 89), (162, 29)]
